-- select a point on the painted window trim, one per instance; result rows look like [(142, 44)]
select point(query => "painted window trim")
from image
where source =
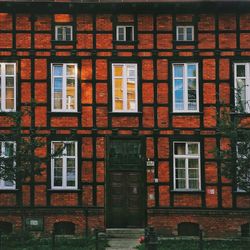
[(247, 77), (185, 27), (3, 87), (186, 165), (125, 110), (185, 87), (2, 186), (64, 168), (64, 33), (64, 85), (124, 32)]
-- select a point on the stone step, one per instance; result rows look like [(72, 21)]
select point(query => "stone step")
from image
[(122, 244), (128, 233)]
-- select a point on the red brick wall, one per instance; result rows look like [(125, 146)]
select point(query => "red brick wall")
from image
[(156, 88)]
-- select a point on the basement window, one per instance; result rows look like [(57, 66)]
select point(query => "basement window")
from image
[(125, 33), (6, 227), (188, 229), (64, 228), (245, 230), (63, 33)]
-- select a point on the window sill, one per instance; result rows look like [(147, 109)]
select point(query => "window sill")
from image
[(64, 113), (125, 42), (63, 190), (64, 42), (187, 191), (240, 114), (186, 113), (125, 113), (8, 190), (185, 42), (241, 192)]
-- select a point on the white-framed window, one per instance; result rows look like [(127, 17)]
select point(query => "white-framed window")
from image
[(64, 172), (242, 86), (124, 87), (125, 33), (185, 87), (7, 150), (64, 87), (7, 86), (63, 33), (185, 33), (243, 152), (187, 173)]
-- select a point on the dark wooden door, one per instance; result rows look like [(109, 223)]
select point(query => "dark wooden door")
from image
[(125, 185)]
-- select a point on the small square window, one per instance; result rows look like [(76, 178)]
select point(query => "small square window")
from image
[(125, 33), (63, 33), (185, 33)]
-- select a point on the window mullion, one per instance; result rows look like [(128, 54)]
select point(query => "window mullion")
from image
[(185, 87), (64, 102), (125, 104), (247, 75), (4, 86), (64, 175)]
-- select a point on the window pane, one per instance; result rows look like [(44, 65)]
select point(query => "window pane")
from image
[(9, 69), (58, 147), (118, 94), (193, 163), (193, 173), (178, 71), (179, 148), (241, 70), (70, 94), (118, 70), (191, 70), (9, 149), (192, 149), (121, 34), (58, 172), (59, 33), (180, 34), (71, 70), (70, 149), (180, 184), (9, 81), (129, 33), (68, 33), (180, 163), (58, 70), (70, 172), (193, 184), (131, 71), (179, 95), (9, 183), (189, 34), (131, 94), (180, 173)]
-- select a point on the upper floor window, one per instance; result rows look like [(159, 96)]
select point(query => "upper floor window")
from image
[(124, 87), (64, 87), (7, 150), (63, 33), (187, 166), (185, 87), (242, 87), (7, 86), (185, 33), (125, 33), (64, 165)]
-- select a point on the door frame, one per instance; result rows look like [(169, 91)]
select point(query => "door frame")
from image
[(142, 140)]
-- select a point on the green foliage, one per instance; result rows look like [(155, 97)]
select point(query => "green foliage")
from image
[(235, 157), (186, 244), (25, 159)]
